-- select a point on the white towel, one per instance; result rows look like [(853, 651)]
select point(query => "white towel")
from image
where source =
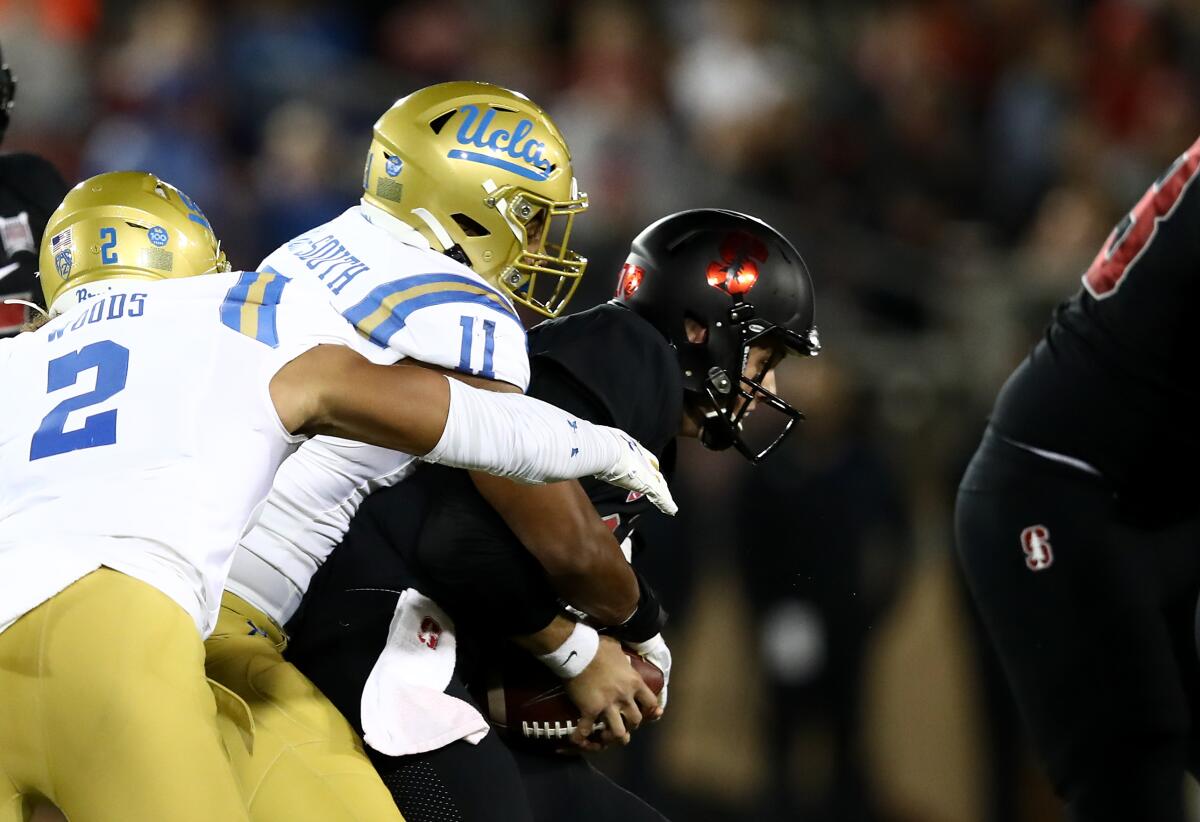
[(404, 708)]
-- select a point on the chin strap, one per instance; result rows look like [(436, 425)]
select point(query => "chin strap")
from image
[(456, 253), (439, 230)]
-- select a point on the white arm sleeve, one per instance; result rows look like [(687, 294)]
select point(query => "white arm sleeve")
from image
[(511, 435)]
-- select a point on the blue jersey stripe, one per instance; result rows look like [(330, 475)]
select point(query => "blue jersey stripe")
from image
[(399, 316), (235, 298), (378, 319), (253, 288), (268, 330), (378, 294)]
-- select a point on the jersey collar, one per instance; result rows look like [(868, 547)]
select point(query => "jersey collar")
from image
[(89, 291), (398, 229)]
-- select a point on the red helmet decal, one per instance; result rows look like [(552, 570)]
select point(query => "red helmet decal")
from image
[(737, 271), (631, 280)]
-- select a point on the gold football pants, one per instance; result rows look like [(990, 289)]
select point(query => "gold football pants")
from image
[(105, 711), (302, 760)]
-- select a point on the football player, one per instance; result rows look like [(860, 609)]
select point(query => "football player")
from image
[(30, 188), (145, 423), (708, 303), (467, 208), (1077, 524)]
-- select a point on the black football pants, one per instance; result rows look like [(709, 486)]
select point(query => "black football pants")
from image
[(1092, 618)]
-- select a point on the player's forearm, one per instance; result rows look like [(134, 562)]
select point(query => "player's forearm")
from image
[(331, 390), (548, 639), (607, 592), (560, 528), (592, 575)]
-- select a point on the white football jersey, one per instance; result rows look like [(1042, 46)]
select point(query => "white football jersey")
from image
[(409, 302), (138, 432)]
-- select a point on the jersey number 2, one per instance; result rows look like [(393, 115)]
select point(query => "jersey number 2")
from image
[(111, 362)]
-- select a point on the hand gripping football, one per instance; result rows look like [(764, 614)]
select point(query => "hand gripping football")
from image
[(524, 699)]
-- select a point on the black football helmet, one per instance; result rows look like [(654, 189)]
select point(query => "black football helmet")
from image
[(745, 283), (8, 91)]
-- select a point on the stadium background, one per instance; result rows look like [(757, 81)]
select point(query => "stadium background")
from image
[(947, 167)]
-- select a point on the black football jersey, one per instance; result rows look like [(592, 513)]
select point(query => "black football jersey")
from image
[(612, 367), (1113, 381), (30, 189)]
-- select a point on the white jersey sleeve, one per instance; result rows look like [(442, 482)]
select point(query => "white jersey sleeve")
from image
[(407, 300), (453, 324)]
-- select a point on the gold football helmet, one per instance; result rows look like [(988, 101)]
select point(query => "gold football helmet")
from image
[(481, 170), (125, 224)]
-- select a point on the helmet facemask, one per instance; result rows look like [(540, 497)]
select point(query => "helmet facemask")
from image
[(725, 403), (546, 272)]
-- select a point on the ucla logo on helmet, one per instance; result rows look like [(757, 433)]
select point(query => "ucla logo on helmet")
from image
[(394, 165), (477, 131), (158, 235)]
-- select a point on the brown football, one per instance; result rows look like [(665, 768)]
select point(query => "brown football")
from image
[(525, 699)]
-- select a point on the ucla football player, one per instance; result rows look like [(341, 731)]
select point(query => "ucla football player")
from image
[(467, 209), (142, 429)]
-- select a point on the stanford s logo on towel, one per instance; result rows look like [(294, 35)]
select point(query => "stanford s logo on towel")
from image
[(430, 633)]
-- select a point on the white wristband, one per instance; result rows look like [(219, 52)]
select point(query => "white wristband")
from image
[(576, 653)]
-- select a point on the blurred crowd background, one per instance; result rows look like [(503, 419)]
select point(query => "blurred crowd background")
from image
[(947, 167)]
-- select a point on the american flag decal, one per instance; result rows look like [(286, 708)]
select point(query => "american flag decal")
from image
[(60, 241)]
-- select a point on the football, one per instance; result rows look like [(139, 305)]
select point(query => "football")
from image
[(524, 698)]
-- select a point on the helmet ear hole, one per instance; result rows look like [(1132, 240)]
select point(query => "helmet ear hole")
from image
[(470, 227)]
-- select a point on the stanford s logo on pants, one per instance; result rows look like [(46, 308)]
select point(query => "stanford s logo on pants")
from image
[(1035, 541)]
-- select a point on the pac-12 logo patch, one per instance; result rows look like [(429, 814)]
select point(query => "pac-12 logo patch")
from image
[(62, 263), (1035, 542)]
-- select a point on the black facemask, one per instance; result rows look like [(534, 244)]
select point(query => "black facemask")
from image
[(726, 402)]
